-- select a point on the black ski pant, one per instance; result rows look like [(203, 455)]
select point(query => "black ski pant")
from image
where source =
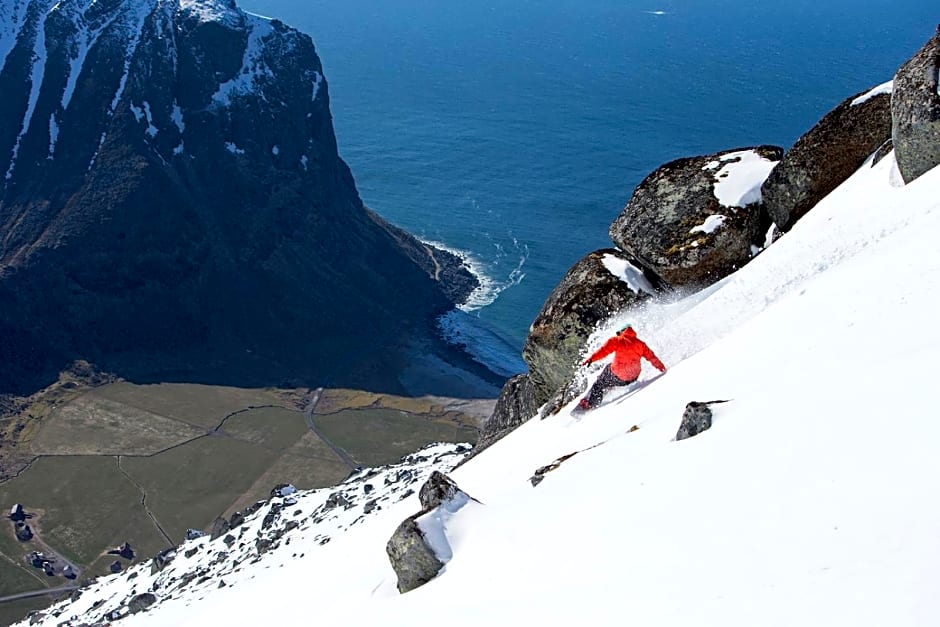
[(606, 381)]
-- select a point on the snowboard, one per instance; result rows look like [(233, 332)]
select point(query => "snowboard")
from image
[(616, 395)]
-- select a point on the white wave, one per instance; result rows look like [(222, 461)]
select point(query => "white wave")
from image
[(490, 288)]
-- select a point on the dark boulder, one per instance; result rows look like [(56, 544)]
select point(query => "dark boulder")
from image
[(220, 527), (596, 287), (696, 418), (141, 602), (436, 490), (915, 111), (516, 404), (116, 566), (414, 561), (694, 221), (827, 155)]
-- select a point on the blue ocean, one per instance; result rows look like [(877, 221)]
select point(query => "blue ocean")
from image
[(514, 131)]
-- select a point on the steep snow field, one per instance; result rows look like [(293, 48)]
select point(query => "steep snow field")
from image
[(811, 501)]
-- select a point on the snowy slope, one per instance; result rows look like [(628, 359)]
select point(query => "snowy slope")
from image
[(811, 500)]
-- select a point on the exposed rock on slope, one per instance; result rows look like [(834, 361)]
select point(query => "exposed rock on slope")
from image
[(418, 548), (915, 111), (600, 284), (173, 205), (827, 155), (693, 221), (515, 405)]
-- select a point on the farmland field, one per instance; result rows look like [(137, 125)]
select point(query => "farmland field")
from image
[(383, 436), (143, 463)]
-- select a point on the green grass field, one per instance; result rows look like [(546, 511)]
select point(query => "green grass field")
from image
[(82, 503), (383, 436), (94, 425), (199, 405)]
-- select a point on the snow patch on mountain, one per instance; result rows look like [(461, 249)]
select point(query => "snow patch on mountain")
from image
[(217, 11), (12, 17), (253, 66), (36, 74), (133, 26)]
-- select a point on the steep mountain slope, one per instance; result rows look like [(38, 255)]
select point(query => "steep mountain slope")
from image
[(807, 502), (173, 204)]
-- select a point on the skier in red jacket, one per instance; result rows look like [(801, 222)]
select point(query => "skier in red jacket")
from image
[(625, 369)]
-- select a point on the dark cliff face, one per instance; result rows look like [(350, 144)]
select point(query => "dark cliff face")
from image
[(173, 204)]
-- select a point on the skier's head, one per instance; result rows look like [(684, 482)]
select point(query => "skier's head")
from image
[(627, 330)]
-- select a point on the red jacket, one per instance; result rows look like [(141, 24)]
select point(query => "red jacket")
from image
[(628, 350)]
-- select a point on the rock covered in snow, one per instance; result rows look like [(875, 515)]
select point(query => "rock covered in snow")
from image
[(693, 221), (599, 285), (827, 155), (419, 548), (915, 111)]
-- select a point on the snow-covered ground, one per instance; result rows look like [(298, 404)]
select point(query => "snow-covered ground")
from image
[(811, 501)]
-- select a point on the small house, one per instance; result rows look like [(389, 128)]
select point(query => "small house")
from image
[(17, 513), (192, 534)]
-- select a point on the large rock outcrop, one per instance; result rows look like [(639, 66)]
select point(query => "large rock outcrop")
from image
[(915, 111), (694, 221), (173, 206), (599, 285), (827, 155), (516, 404)]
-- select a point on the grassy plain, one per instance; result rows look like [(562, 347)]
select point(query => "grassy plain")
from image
[(383, 436), (82, 502), (307, 464), (95, 425), (198, 405)]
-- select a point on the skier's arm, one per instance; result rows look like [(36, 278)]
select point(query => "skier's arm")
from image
[(653, 359), (602, 352)]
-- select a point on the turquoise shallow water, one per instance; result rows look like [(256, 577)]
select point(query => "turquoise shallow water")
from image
[(516, 130)]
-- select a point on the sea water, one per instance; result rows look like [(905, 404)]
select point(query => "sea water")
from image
[(514, 131)]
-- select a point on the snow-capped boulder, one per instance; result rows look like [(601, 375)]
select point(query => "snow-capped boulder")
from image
[(915, 111), (693, 221), (419, 547), (827, 155), (515, 405), (696, 418), (599, 285)]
